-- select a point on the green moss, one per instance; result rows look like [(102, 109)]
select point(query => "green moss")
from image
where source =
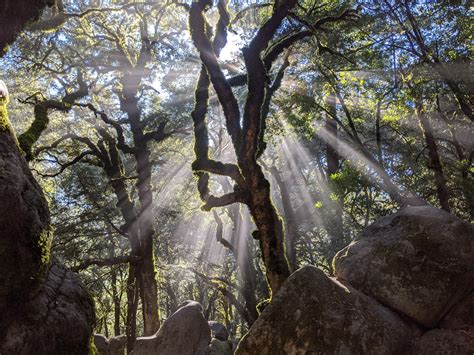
[(40, 123), (263, 304), (42, 248), (92, 348), (5, 125)]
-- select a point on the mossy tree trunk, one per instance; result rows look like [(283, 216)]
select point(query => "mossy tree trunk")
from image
[(253, 188), (334, 225), (247, 130)]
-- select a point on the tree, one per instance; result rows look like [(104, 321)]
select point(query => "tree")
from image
[(114, 143), (252, 188)]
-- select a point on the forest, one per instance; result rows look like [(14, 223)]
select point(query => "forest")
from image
[(236, 176)]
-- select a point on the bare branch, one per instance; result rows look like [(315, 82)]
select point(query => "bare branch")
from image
[(106, 262)]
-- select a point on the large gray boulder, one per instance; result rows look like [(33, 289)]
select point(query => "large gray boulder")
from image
[(186, 332), (419, 261), (315, 314), (25, 234), (444, 342)]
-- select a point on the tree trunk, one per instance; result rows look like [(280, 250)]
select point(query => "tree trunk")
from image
[(245, 262), (334, 226), (132, 305), (378, 136), (113, 283), (434, 159), (147, 281), (270, 232), (290, 219)]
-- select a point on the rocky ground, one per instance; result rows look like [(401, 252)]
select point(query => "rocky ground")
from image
[(404, 286)]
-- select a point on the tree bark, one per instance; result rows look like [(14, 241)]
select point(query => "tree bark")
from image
[(147, 281), (291, 234), (253, 188), (245, 262), (434, 159), (335, 221)]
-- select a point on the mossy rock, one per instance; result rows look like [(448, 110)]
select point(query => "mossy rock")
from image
[(419, 261), (315, 314), (57, 318), (44, 308), (25, 234)]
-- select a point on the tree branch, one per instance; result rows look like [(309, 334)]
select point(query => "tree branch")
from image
[(106, 262)]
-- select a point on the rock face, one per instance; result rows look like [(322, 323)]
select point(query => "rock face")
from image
[(315, 314), (24, 225), (444, 342), (41, 302), (186, 332), (56, 318), (419, 261)]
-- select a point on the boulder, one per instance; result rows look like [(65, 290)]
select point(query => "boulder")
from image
[(461, 316), (315, 314), (56, 319), (112, 346), (220, 347), (186, 332), (444, 342), (102, 344), (117, 344), (25, 235), (419, 261), (218, 330), (44, 307)]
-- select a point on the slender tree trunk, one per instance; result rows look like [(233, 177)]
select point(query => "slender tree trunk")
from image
[(245, 263), (132, 306), (434, 159), (335, 220), (147, 281), (378, 135), (113, 169), (116, 301), (461, 98), (290, 220), (113, 284)]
